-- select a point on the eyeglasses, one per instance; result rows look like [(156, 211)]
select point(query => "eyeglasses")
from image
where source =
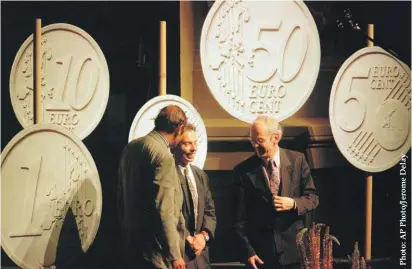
[(258, 140)]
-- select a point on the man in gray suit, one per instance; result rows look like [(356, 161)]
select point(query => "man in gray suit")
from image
[(150, 197), (198, 206)]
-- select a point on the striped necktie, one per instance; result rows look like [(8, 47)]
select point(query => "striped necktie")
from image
[(274, 180)]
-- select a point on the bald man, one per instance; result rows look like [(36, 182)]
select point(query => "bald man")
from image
[(275, 190)]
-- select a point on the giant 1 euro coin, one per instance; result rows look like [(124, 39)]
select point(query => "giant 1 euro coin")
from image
[(260, 57), (74, 80), (143, 122), (45, 170), (370, 109)]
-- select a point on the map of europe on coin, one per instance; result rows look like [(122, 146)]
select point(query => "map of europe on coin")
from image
[(46, 171), (260, 57), (370, 109), (74, 80), (143, 122)]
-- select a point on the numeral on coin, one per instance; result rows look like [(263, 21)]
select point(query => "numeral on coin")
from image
[(265, 71), (84, 70), (32, 182), (270, 70), (352, 124), (300, 57)]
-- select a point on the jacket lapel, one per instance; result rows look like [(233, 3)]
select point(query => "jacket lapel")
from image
[(185, 190), (201, 198), (285, 172), (259, 181)]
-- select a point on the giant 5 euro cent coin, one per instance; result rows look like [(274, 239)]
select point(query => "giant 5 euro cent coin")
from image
[(45, 170), (74, 80), (370, 109), (260, 57), (143, 122)]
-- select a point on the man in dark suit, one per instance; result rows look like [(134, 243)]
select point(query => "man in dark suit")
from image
[(150, 197), (275, 190), (198, 206)]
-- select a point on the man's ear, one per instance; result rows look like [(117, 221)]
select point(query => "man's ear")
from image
[(178, 131), (276, 137), (181, 126)]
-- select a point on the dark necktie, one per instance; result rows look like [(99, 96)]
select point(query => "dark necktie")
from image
[(273, 174), (192, 192)]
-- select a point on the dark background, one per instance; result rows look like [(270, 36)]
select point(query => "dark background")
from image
[(121, 29)]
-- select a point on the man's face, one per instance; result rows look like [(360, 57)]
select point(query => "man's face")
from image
[(265, 144), (186, 150)]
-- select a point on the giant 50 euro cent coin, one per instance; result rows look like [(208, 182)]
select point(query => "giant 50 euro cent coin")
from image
[(74, 80), (260, 57), (369, 109), (45, 170), (143, 122)]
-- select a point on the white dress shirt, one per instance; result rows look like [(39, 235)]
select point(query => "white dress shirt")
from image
[(190, 176), (276, 159)]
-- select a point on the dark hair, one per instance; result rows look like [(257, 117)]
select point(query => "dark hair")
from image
[(189, 127), (169, 119)]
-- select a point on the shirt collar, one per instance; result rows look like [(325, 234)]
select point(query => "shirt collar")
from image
[(182, 168), (276, 159)]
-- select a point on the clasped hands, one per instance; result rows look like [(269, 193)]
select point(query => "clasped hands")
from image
[(197, 243)]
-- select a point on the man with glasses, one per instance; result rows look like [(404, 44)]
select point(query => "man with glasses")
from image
[(274, 191)]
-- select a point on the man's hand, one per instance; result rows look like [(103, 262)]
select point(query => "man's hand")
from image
[(252, 261), (190, 239), (179, 264), (199, 243), (282, 203)]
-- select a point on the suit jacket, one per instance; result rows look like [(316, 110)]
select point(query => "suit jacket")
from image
[(262, 230), (150, 204), (206, 218)]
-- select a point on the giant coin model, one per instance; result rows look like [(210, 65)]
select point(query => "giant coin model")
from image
[(45, 170), (260, 57), (143, 122), (370, 109), (74, 80)]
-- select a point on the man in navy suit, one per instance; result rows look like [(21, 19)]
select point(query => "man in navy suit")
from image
[(198, 207), (275, 190)]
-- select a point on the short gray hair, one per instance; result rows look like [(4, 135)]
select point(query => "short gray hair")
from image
[(271, 123)]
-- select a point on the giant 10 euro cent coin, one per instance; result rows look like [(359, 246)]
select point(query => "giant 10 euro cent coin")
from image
[(370, 109), (143, 122), (260, 57), (74, 80), (45, 170)]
